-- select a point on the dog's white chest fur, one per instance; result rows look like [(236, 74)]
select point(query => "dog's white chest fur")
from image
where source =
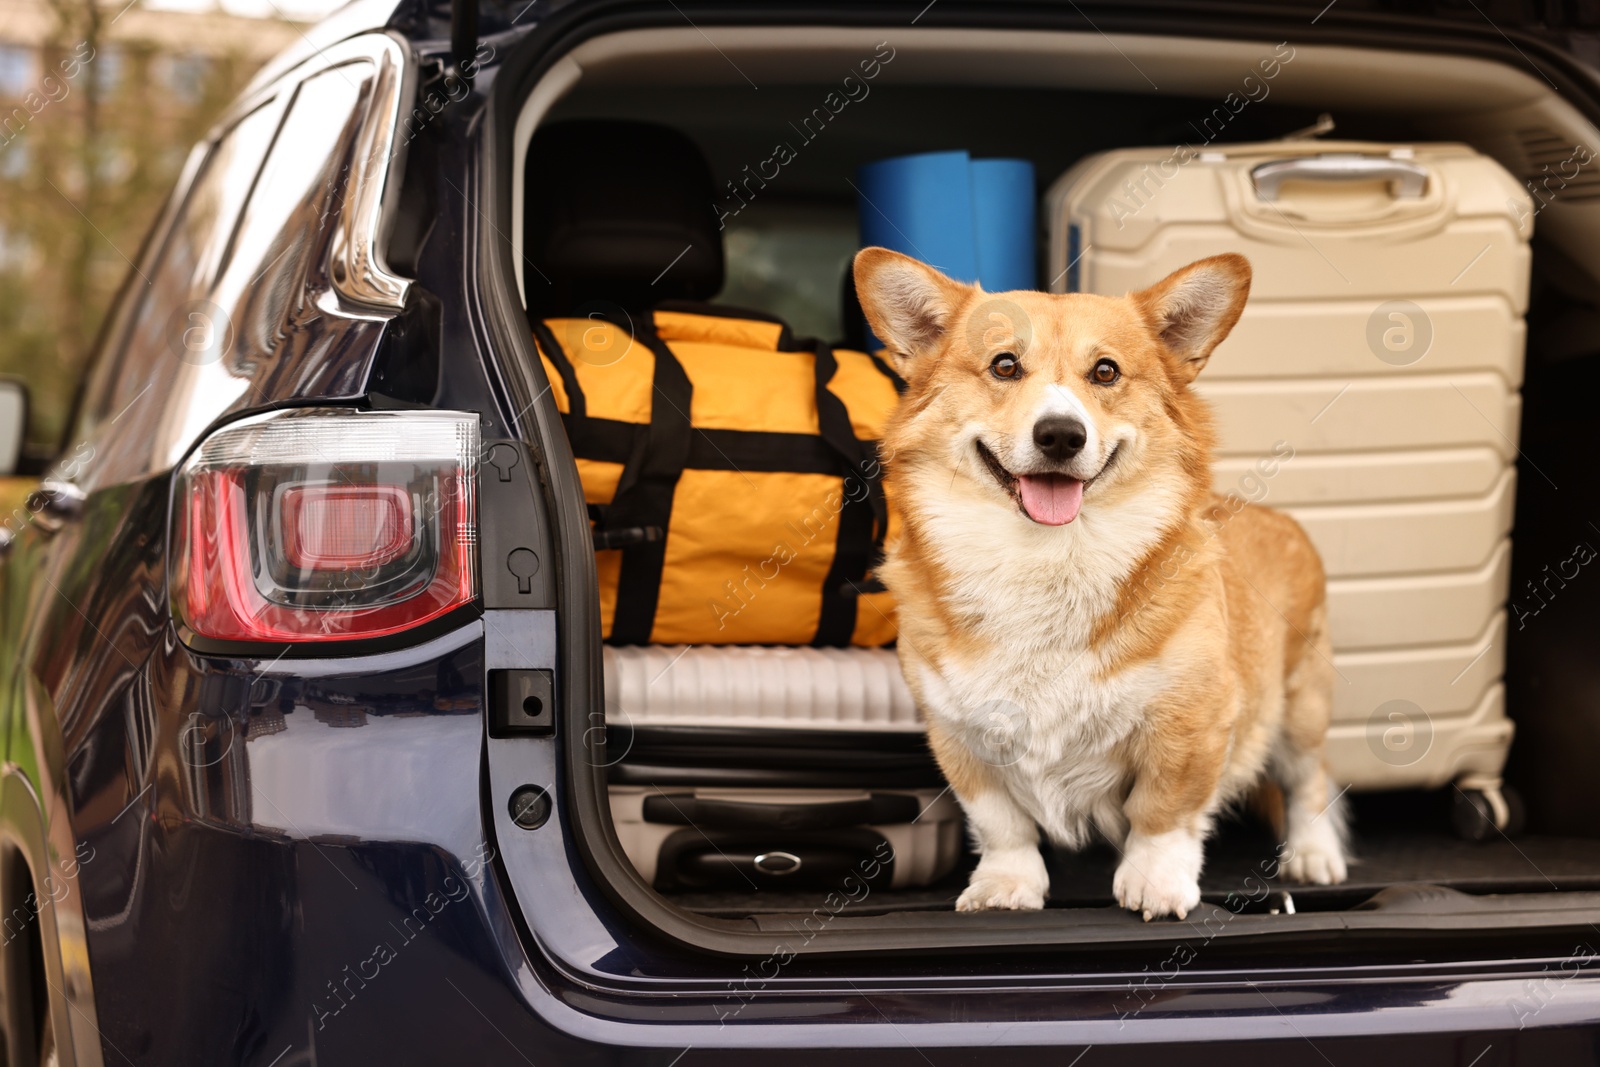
[(1054, 730), (1045, 710)]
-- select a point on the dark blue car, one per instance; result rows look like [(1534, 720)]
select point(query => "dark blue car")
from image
[(278, 797)]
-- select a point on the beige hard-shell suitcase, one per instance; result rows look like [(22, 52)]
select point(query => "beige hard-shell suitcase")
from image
[(1370, 389)]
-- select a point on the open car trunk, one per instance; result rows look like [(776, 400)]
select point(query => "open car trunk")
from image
[(1054, 97)]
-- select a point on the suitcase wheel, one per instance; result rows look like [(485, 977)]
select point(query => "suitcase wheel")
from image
[(1487, 813)]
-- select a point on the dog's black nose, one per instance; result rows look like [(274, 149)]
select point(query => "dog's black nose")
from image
[(1059, 437)]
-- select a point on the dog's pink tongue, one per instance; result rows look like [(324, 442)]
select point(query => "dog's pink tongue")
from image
[(1052, 499)]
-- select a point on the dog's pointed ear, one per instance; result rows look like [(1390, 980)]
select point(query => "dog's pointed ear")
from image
[(908, 304), (1194, 308)]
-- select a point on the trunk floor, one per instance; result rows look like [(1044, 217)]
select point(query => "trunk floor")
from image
[(1236, 857)]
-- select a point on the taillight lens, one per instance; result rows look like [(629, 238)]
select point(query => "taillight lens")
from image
[(326, 524)]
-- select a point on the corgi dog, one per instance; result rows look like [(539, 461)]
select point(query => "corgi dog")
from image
[(1098, 644)]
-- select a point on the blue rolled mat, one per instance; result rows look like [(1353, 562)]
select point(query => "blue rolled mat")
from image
[(921, 206), (973, 219), (1003, 220)]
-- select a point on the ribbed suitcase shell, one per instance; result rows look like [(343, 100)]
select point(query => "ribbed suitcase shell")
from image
[(1403, 430), (743, 686)]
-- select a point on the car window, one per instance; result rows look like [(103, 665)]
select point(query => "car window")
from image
[(260, 285), (130, 384), (790, 261), (233, 276)]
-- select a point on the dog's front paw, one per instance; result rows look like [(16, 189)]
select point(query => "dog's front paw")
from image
[(1319, 862), (1009, 881), (1159, 875), (1155, 895), (1003, 891)]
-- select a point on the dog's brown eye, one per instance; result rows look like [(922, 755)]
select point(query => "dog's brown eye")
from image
[(1105, 372), (1005, 365)]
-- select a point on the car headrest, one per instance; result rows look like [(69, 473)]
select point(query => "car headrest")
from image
[(621, 212)]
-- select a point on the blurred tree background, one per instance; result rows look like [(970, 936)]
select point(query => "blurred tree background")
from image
[(100, 103)]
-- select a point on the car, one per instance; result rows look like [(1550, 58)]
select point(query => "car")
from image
[(276, 797)]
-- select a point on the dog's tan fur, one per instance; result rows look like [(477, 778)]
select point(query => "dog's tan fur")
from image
[(1135, 670)]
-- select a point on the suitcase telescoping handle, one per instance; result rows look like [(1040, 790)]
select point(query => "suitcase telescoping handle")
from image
[(1410, 178), (686, 809)]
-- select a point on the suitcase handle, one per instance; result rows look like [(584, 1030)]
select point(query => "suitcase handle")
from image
[(1411, 178), (686, 809)]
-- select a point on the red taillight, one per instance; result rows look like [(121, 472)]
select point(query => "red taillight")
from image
[(345, 527), (326, 525)]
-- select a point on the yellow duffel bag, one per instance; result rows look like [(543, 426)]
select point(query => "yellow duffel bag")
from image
[(732, 476)]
